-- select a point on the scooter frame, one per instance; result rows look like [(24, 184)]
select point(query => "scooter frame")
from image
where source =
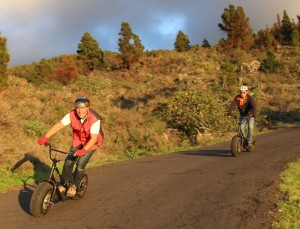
[(239, 141), (40, 204)]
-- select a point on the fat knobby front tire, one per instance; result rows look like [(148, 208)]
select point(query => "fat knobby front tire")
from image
[(41, 199), (236, 147)]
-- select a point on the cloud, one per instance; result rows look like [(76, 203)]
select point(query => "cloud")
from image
[(38, 29)]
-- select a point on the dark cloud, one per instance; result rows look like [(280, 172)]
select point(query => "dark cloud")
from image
[(42, 29)]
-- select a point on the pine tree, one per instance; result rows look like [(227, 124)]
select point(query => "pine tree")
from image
[(130, 46), (295, 38), (182, 43), (298, 24), (90, 53), (287, 29), (4, 60), (276, 30), (205, 43), (296, 33), (236, 26)]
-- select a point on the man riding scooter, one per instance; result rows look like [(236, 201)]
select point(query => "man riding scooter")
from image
[(85, 123), (246, 106)]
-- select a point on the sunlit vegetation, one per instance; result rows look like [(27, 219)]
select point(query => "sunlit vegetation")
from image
[(152, 101)]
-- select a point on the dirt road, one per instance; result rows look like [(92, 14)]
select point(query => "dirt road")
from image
[(207, 188)]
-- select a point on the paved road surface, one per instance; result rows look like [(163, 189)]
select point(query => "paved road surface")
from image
[(206, 189)]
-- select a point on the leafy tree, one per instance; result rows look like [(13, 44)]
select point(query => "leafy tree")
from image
[(67, 72), (205, 43), (271, 64), (264, 39), (4, 59), (43, 71), (90, 53), (182, 42), (236, 26), (130, 46)]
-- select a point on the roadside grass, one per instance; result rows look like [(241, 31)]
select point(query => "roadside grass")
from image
[(288, 216), (10, 180)]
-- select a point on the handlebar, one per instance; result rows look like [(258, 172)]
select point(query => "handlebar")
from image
[(51, 149), (239, 121)]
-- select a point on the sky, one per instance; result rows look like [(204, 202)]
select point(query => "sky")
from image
[(37, 29)]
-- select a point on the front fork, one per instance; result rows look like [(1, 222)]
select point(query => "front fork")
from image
[(52, 180), (240, 133)]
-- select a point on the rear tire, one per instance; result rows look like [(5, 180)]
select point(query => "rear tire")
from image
[(41, 199), (236, 146), (82, 187)]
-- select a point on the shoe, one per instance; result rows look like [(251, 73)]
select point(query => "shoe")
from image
[(72, 190), (61, 188), (250, 147)]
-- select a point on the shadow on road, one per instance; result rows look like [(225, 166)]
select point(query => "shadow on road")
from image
[(40, 170), (25, 196), (210, 153)]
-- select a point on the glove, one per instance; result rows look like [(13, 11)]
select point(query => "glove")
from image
[(80, 152), (43, 140)]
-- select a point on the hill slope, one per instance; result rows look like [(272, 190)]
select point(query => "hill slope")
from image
[(127, 98)]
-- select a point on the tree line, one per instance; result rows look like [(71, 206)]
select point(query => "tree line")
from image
[(90, 57)]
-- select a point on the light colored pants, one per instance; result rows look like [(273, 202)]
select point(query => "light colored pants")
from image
[(250, 123)]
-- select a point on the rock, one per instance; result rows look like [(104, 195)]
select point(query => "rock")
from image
[(203, 138), (251, 67)]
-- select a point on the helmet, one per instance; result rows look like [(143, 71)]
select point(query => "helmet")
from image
[(82, 101), (243, 88)]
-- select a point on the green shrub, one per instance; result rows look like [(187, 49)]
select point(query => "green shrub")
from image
[(192, 112), (271, 64), (94, 85), (52, 85), (229, 68), (295, 68), (33, 128), (60, 110)]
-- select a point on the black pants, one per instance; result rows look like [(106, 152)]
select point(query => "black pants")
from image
[(81, 162)]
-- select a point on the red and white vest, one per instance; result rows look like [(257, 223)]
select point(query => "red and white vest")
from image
[(81, 132)]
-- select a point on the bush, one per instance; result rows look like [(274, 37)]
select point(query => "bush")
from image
[(271, 64), (192, 112), (229, 68), (34, 128), (94, 85)]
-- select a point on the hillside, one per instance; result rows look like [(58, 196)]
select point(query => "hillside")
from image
[(127, 99)]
